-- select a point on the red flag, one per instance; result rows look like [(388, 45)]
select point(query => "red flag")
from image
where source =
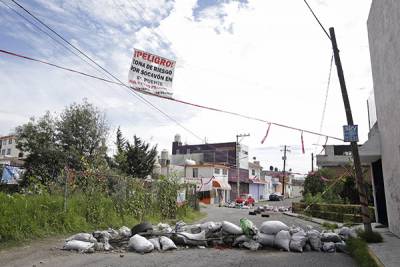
[(265, 137), (302, 143)]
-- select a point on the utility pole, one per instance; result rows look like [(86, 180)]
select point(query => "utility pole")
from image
[(238, 161), (284, 169), (312, 162), (354, 146)]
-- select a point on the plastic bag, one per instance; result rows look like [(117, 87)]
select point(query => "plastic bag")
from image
[(140, 244), (231, 228), (156, 243), (314, 237), (82, 237), (328, 247), (273, 227), (248, 228), (166, 243), (113, 233), (78, 245), (125, 231), (252, 245), (346, 232), (265, 239), (341, 247), (193, 239), (298, 241), (282, 240), (330, 237)]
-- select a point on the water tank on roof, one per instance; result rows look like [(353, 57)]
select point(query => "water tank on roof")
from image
[(177, 138), (190, 162)]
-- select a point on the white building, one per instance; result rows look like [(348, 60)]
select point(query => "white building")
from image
[(9, 154)]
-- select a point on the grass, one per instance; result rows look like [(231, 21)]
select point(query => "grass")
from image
[(330, 226), (370, 237), (358, 249)]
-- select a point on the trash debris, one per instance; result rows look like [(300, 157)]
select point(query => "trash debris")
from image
[(240, 240), (282, 240), (81, 246), (330, 237), (341, 247), (346, 232), (273, 227), (166, 243), (125, 231), (193, 239), (252, 245), (82, 237), (140, 244), (328, 247), (113, 233), (141, 228), (248, 228)]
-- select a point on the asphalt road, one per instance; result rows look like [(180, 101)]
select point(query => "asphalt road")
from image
[(48, 253)]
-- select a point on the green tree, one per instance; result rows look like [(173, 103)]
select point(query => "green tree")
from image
[(135, 159)]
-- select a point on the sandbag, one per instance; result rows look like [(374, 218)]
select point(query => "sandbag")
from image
[(82, 246), (193, 239), (282, 240), (328, 247), (273, 227), (113, 233), (294, 229), (231, 228), (346, 232), (330, 237), (252, 245), (298, 241), (164, 228), (314, 237), (125, 231), (82, 237), (166, 243), (341, 247), (248, 228), (140, 244), (240, 239), (101, 235), (265, 239), (156, 243), (211, 226)]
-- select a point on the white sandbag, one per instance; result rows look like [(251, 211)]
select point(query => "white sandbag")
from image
[(346, 232), (166, 243), (78, 245), (113, 233), (330, 237), (252, 245), (140, 244), (282, 240), (265, 239), (156, 243), (240, 239), (194, 239), (294, 229), (211, 226), (314, 237), (298, 241), (231, 228), (125, 231), (82, 237), (328, 247), (341, 247), (164, 228), (273, 227)]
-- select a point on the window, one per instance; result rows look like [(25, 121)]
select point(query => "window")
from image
[(8, 151), (10, 141), (4, 142), (3, 152), (195, 172), (224, 171), (253, 172), (217, 171)]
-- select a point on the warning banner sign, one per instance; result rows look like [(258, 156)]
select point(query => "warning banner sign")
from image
[(151, 73)]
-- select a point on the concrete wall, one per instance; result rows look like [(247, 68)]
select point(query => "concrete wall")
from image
[(384, 43)]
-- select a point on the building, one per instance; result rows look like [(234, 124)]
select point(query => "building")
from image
[(382, 149), (9, 154), (211, 180), (297, 187), (220, 154), (259, 185), (338, 159), (278, 179)]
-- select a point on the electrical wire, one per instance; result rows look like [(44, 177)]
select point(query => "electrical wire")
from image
[(171, 99), (316, 18)]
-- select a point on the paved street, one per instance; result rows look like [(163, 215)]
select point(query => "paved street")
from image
[(48, 254)]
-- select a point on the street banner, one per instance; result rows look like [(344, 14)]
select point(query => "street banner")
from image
[(151, 73), (11, 175)]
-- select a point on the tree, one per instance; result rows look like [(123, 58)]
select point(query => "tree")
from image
[(136, 159)]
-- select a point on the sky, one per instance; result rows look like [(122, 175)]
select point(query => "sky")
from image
[(264, 58)]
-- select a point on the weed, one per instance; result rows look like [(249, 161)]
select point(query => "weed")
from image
[(358, 249), (370, 237)]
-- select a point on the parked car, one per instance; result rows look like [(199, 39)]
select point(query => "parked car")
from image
[(275, 197)]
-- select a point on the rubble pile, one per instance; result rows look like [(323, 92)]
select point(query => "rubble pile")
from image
[(145, 238)]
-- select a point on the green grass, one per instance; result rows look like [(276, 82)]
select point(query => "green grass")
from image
[(330, 226), (358, 249), (370, 237)]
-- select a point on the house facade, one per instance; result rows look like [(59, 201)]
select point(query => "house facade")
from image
[(9, 153)]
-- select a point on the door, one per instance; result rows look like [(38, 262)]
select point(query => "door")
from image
[(379, 186)]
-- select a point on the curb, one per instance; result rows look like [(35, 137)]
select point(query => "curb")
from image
[(312, 219), (375, 258)]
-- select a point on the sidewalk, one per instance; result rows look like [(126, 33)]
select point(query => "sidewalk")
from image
[(388, 251)]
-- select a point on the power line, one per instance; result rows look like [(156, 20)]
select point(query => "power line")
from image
[(326, 95), (316, 18), (106, 71), (173, 99)]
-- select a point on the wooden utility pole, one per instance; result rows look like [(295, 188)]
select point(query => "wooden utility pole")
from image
[(354, 146), (284, 169), (238, 162), (312, 162)]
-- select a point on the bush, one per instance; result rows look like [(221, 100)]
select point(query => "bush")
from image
[(358, 249), (370, 237)]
